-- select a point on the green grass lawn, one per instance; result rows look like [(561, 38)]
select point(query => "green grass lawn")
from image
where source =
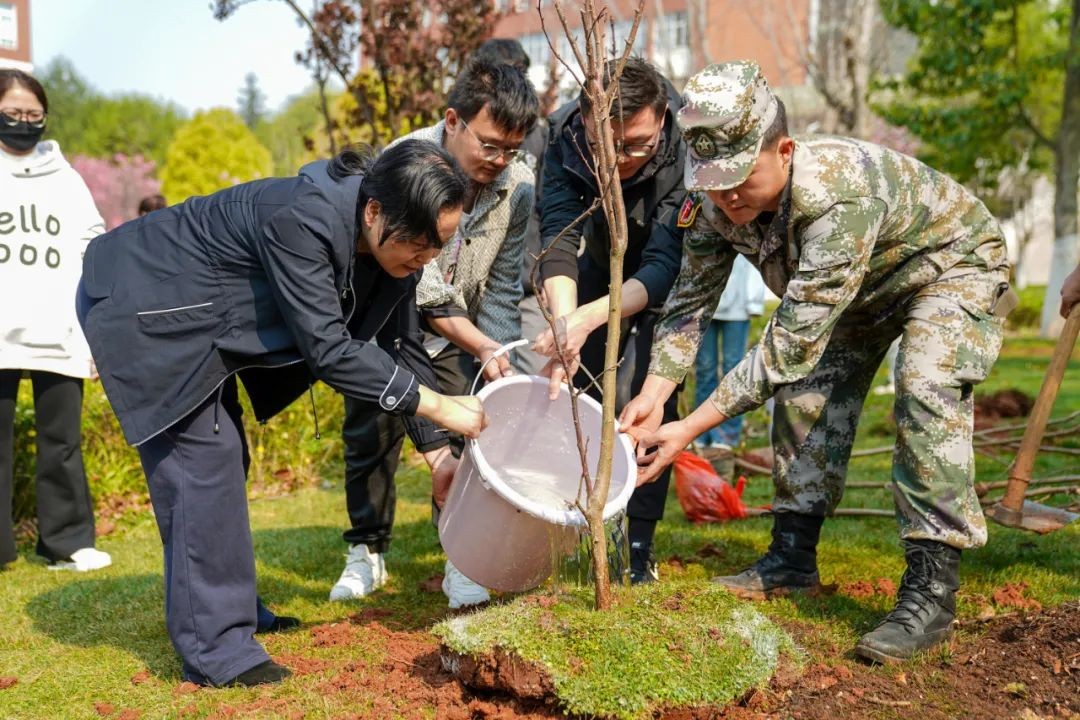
[(72, 640)]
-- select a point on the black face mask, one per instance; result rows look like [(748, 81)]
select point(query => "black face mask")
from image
[(21, 136)]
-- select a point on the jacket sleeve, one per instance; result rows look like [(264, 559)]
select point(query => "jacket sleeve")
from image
[(560, 205), (499, 316), (663, 251), (706, 264), (433, 292), (834, 258), (94, 224), (408, 343), (296, 253)]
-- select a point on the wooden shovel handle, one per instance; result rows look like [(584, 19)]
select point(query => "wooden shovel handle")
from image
[(1020, 473)]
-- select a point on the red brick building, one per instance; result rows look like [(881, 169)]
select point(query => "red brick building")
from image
[(681, 36), (15, 34)]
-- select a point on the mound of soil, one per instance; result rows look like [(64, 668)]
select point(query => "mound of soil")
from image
[(500, 672), (1007, 403), (1019, 666)]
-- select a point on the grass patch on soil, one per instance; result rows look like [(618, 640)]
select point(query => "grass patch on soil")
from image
[(664, 645)]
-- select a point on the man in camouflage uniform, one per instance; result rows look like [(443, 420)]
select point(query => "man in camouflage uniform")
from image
[(863, 245)]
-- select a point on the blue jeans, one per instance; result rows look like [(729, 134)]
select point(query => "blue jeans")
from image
[(733, 334)]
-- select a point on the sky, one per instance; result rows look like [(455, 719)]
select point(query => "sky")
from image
[(173, 49)]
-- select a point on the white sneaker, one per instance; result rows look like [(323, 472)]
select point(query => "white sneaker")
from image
[(364, 573), (84, 560), (460, 590)]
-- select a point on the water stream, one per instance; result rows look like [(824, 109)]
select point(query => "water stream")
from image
[(572, 566)]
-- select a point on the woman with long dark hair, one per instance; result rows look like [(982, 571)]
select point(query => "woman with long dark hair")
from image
[(279, 283), (46, 219)]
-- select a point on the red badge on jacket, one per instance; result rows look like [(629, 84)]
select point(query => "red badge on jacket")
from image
[(688, 212)]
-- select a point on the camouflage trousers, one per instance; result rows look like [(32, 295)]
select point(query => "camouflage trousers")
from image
[(949, 340)]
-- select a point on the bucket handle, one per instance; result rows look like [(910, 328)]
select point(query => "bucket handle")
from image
[(501, 351)]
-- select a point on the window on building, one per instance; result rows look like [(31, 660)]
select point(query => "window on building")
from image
[(622, 32), (674, 31), (536, 47), (9, 27)]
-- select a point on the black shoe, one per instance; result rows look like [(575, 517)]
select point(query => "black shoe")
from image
[(281, 623), (642, 564), (925, 605), (265, 673), (789, 566)]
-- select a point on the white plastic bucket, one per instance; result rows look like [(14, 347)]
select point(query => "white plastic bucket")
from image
[(510, 507)]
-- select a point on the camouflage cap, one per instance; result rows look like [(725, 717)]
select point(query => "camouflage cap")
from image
[(726, 110)]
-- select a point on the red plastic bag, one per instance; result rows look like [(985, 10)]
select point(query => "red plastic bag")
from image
[(704, 495)]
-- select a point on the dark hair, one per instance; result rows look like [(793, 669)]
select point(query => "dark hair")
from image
[(640, 87), (777, 128), (10, 77), (509, 96), (150, 203), (413, 181), (503, 50)]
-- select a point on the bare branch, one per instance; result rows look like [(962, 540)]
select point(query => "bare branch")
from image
[(560, 347), (628, 46), (554, 52), (1040, 136), (316, 37), (566, 29)]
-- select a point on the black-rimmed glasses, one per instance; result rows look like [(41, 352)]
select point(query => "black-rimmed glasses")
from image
[(634, 150), (491, 153)]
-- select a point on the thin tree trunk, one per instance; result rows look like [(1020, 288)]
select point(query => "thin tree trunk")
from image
[(865, 20), (604, 102), (324, 106), (1066, 175)]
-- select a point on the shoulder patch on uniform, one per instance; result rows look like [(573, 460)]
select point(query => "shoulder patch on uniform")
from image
[(689, 211)]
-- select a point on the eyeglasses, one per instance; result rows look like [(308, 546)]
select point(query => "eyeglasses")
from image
[(634, 150), (491, 153), (12, 116)]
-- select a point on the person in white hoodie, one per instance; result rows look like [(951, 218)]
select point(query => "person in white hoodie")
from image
[(47, 218), (728, 332)]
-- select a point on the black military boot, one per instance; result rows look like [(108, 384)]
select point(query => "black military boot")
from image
[(643, 567), (925, 605), (789, 566)]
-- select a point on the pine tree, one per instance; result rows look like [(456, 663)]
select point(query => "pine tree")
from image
[(251, 101)]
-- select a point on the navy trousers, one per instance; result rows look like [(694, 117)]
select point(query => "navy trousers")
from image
[(196, 475)]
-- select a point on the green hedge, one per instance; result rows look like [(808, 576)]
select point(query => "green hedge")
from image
[(1028, 314), (285, 452)]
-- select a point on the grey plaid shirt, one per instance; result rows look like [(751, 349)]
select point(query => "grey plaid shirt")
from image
[(483, 260)]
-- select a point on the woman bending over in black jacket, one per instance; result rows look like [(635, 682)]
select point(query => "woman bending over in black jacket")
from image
[(279, 283)]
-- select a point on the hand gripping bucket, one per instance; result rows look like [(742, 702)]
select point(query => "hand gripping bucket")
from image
[(510, 507)]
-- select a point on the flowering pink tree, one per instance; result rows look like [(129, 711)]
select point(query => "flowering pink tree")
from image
[(117, 184)]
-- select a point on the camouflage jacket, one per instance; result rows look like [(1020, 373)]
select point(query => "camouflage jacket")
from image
[(860, 229)]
